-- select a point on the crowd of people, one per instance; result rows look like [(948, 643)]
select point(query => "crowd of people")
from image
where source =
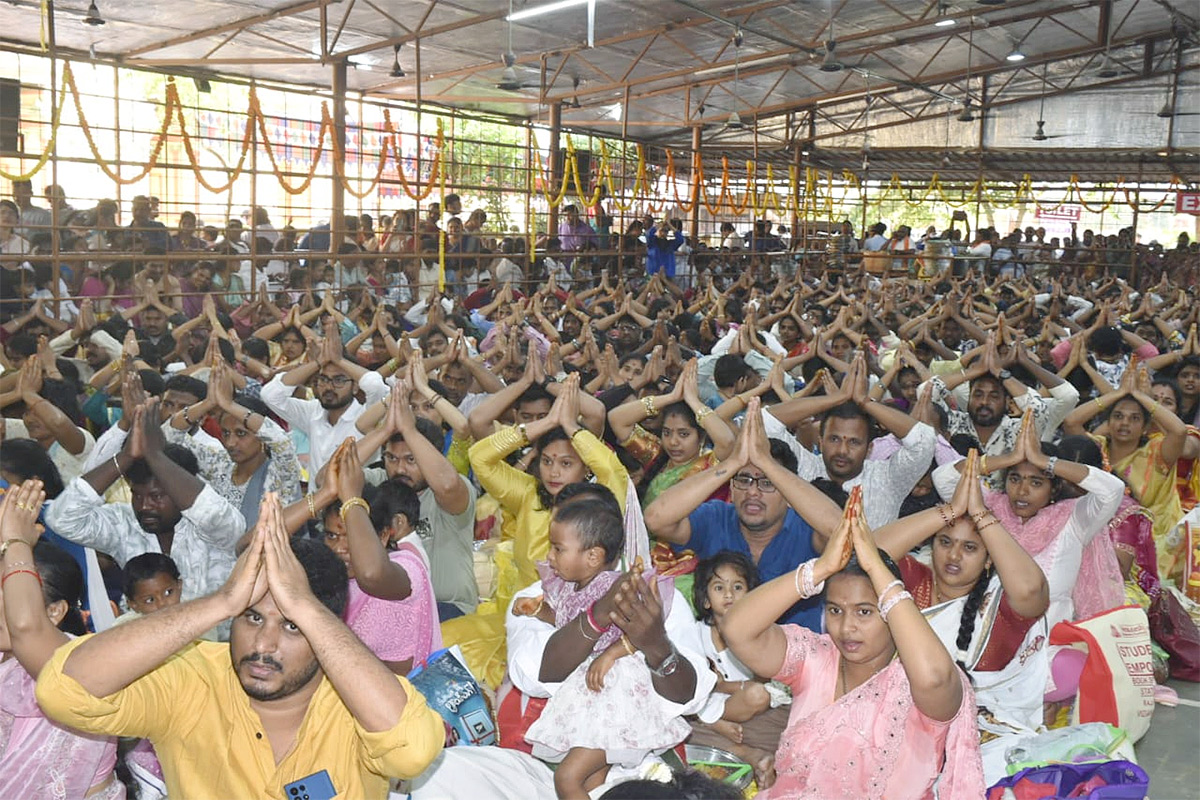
[(821, 519)]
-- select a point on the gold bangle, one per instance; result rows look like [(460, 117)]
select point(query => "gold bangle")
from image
[(312, 505), (7, 543), (524, 435), (1154, 409), (351, 503), (704, 413), (628, 645), (648, 404), (1099, 405)]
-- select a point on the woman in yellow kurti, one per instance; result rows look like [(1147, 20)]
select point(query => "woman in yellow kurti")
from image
[(565, 454), (1147, 463)]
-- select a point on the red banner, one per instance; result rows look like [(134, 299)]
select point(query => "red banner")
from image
[(1187, 203)]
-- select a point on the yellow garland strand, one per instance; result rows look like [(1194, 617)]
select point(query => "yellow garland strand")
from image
[(556, 200), (441, 230), (584, 198), (56, 121), (802, 202)]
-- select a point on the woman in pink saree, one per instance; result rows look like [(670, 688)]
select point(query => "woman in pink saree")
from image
[(38, 758), (864, 723)]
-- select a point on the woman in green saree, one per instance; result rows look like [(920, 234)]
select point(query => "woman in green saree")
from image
[(678, 450)]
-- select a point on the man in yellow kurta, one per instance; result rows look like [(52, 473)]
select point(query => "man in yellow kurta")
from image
[(294, 701)]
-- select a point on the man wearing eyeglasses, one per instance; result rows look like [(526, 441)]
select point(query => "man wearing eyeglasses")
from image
[(329, 417), (763, 519)]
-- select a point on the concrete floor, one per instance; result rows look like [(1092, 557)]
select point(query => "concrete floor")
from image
[(1170, 750)]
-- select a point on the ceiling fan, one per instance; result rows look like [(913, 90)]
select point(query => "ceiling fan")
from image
[(830, 61), (1170, 106), (967, 115), (735, 123), (513, 78), (1040, 134)]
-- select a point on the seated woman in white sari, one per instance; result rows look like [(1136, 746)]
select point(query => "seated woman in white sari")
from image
[(985, 598)]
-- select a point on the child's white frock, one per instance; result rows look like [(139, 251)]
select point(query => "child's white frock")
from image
[(627, 719)]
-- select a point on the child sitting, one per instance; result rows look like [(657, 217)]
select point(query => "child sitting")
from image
[(720, 582), (152, 583), (604, 712), (391, 605)]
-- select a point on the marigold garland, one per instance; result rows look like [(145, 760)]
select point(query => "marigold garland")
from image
[(813, 198)]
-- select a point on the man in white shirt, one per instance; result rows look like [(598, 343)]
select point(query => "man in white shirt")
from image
[(180, 392), (330, 418), (846, 441), (876, 241), (172, 512)]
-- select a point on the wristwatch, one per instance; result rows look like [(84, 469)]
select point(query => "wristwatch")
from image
[(668, 665), (1005, 374)]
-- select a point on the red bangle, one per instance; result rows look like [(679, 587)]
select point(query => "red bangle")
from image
[(8, 575), (591, 618)]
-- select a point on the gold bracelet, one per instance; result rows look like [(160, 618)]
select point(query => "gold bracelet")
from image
[(648, 404), (1154, 409), (524, 435), (1099, 405), (8, 543), (351, 503), (312, 505), (983, 465), (628, 645), (704, 413)]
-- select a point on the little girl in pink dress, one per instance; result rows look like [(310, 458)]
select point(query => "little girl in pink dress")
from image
[(621, 720)]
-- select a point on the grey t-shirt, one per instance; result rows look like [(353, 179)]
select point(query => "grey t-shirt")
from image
[(448, 539)]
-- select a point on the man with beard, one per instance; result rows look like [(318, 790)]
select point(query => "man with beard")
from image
[(293, 706), (172, 511), (329, 419), (412, 455), (760, 522), (98, 345), (847, 425), (986, 423)]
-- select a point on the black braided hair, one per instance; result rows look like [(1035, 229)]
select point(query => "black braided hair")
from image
[(966, 625)]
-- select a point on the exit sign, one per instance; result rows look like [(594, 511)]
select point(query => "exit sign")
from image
[(1187, 203)]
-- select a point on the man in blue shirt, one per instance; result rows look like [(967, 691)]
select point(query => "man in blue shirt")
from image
[(761, 521), (661, 247)]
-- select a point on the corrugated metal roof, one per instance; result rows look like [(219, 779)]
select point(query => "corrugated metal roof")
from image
[(660, 67)]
